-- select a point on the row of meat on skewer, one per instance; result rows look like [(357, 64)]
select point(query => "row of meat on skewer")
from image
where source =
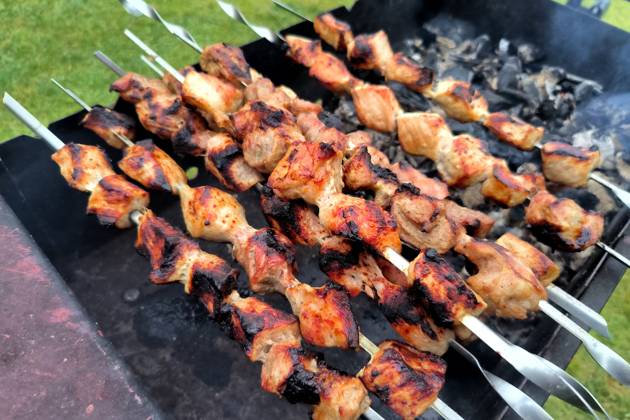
[(247, 130)]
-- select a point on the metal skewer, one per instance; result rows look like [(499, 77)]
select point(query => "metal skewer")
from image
[(146, 60), (552, 383)]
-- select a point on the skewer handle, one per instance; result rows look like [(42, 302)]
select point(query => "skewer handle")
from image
[(621, 194), (578, 309), (614, 253), (31, 122), (612, 363)]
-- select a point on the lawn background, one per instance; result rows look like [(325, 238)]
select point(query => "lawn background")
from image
[(44, 39)]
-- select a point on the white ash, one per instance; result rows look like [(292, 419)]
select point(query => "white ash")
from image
[(603, 140)]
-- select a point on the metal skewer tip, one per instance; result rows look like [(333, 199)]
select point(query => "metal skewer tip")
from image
[(109, 63), (290, 9), (151, 65), (73, 95), (154, 56), (261, 31), (614, 253), (579, 310)]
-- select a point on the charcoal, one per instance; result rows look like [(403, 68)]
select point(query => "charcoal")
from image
[(586, 90), (459, 73), (529, 53), (505, 49), (508, 75)]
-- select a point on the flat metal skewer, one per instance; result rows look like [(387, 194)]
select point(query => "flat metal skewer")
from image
[(291, 10), (109, 63), (555, 383), (152, 65)]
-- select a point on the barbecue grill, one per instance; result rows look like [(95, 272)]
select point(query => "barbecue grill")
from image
[(169, 345)]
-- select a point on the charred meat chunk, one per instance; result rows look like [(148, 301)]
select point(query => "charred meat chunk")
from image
[(464, 161), (334, 32), (562, 223), (407, 380), (359, 172), (508, 188), (225, 160), (371, 52), (132, 87), (82, 166), (110, 125), (459, 100), (114, 199), (376, 107), (513, 130), (568, 165), (227, 62), (422, 133), (543, 267)]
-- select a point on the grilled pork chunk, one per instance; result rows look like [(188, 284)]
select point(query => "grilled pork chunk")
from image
[(371, 52), (132, 87), (404, 70), (441, 290), (562, 223), (264, 90), (308, 171), (315, 131), (509, 287), (162, 113), (176, 259), (215, 98), (325, 316), (359, 220), (266, 133), (334, 32), (464, 161), (226, 162), (407, 174), (407, 380), (508, 188), (109, 124), (360, 173), (82, 166), (376, 106), (268, 258), (114, 199), (173, 84), (459, 100), (258, 326), (227, 62), (296, 375), (422, 133), (476, 223), (325, 67), (149, 165), (542, 266), (513, 130), (568, 165)]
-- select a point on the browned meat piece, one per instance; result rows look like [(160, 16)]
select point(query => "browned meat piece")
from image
[(543, 267), (334, 32), (513, 130), (405, 379), (441, 290), (308, 171), (459, 100), (423, 133), (359, 220), (132, 87), (296, 375), (360, 173), (173, 84), (341, 396), (509, 288), (562, 223), (410, 320), (508, 188), (213, 97), (264, 90), (225, 161), (333, 74), (150, 166), (371, 52), (266, 133), (175, 258), (257, 326), (407, 174), (326, 319), (347, 264), (426, 222), (109, 125), (193, 136), (568, 165), (299, 106), (356, 139), (423, 220), (114, 199), (376, 107), (293, 218), (82, 166), (403, 70), (162, 114), (213, 215), (464, 161), (315, 130), (476, 223), (303, 50), (227, 62), (268, 258)]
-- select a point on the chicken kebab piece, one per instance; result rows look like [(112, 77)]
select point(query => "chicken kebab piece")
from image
[(266, 334)]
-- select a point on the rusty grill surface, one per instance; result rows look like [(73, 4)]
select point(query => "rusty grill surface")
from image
[(187, 367)]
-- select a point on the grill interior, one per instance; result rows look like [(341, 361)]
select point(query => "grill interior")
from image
[(187, 366)]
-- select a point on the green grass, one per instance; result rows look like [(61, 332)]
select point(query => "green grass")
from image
[(57, 38)]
